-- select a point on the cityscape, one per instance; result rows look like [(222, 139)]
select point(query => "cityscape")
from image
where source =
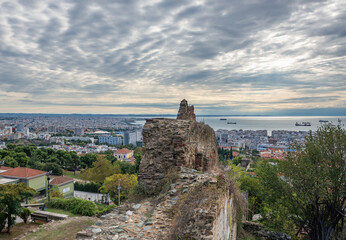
[(172, 120)]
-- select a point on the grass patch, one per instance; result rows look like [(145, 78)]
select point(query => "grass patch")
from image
[(70, 174), (54, 210), (66, 231), (17, 230)]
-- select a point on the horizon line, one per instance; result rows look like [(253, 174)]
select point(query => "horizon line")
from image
[(197, 115)]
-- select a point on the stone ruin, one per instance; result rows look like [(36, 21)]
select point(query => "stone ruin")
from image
[(186, 112), (170, 144)]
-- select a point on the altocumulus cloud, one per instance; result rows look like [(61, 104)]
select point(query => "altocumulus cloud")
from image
[(131, 56)]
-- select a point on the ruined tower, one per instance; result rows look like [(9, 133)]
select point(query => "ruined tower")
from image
[(186, 112), (175, 143)]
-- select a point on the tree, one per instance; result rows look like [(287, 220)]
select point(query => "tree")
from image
[(22, 159), (110, 185), (75, 162), (101, 169), (309, 187), (10, 162), (11, 195), (126, 167), (87, 160), (55, 168), (317, 175), (138, 154)]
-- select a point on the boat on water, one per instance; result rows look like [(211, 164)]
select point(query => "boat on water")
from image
[(323, 121), (223, 118), (231, 122), (303, 124)]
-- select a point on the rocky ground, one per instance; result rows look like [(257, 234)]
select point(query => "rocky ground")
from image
[(145, 220)]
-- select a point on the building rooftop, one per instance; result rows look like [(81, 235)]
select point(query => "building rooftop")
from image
[(123, 151), (21, 172), (59, 180)]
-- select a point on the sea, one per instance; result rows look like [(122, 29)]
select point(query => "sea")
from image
[(268, 123)]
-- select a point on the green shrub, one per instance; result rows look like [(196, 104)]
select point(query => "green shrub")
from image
[(84, 207), (74, 205), (25, 213)]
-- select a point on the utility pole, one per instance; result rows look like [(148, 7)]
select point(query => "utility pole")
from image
[(119, 187)]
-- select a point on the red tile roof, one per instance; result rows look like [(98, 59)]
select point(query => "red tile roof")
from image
[(123, 151), (5, 168), (58, 180), (21, 172)]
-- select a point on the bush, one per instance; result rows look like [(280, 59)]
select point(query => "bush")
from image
[(87, 187), (25, 213), (74, 205)]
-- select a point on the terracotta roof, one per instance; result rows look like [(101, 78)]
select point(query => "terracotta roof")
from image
[(21, 172), (123, 151), (58, 180), (5, 168)]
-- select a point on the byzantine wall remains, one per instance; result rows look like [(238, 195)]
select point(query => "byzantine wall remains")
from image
[(170, 144)]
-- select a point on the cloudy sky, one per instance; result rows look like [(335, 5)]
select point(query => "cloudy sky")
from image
[(144, 56)]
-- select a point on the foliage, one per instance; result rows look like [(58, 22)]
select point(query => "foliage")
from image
[(126, 167), (54, 192), (10, 162), (127, 182), (74, 205), (11, 195), (87, 160), (101, 169), (224, 154), (87, 187), (56, 170), (317, 178), (237, 160), (305, 191), (25, 214)]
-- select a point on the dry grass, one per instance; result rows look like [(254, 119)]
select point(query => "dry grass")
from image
[(18, 229), (66, 231)]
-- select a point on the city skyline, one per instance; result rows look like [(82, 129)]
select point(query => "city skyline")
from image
[(143, 57)]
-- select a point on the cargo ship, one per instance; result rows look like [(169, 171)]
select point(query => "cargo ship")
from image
[(223, 118), (231, 123), (303, 124)]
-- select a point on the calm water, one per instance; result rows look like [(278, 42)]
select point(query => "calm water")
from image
[(269, 122)]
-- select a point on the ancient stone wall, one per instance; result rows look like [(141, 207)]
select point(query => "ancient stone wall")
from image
[(172, 144), (225, 224), (186, 112)]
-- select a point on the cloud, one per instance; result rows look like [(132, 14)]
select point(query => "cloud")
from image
[(136, 56)]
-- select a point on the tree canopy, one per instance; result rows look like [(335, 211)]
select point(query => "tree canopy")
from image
[(306, 191), (11, 195), (101, 169)]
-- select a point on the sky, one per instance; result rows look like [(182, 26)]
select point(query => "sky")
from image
[(249, 57)]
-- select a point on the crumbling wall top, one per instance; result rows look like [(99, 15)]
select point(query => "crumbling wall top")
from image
[(186, 112)]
